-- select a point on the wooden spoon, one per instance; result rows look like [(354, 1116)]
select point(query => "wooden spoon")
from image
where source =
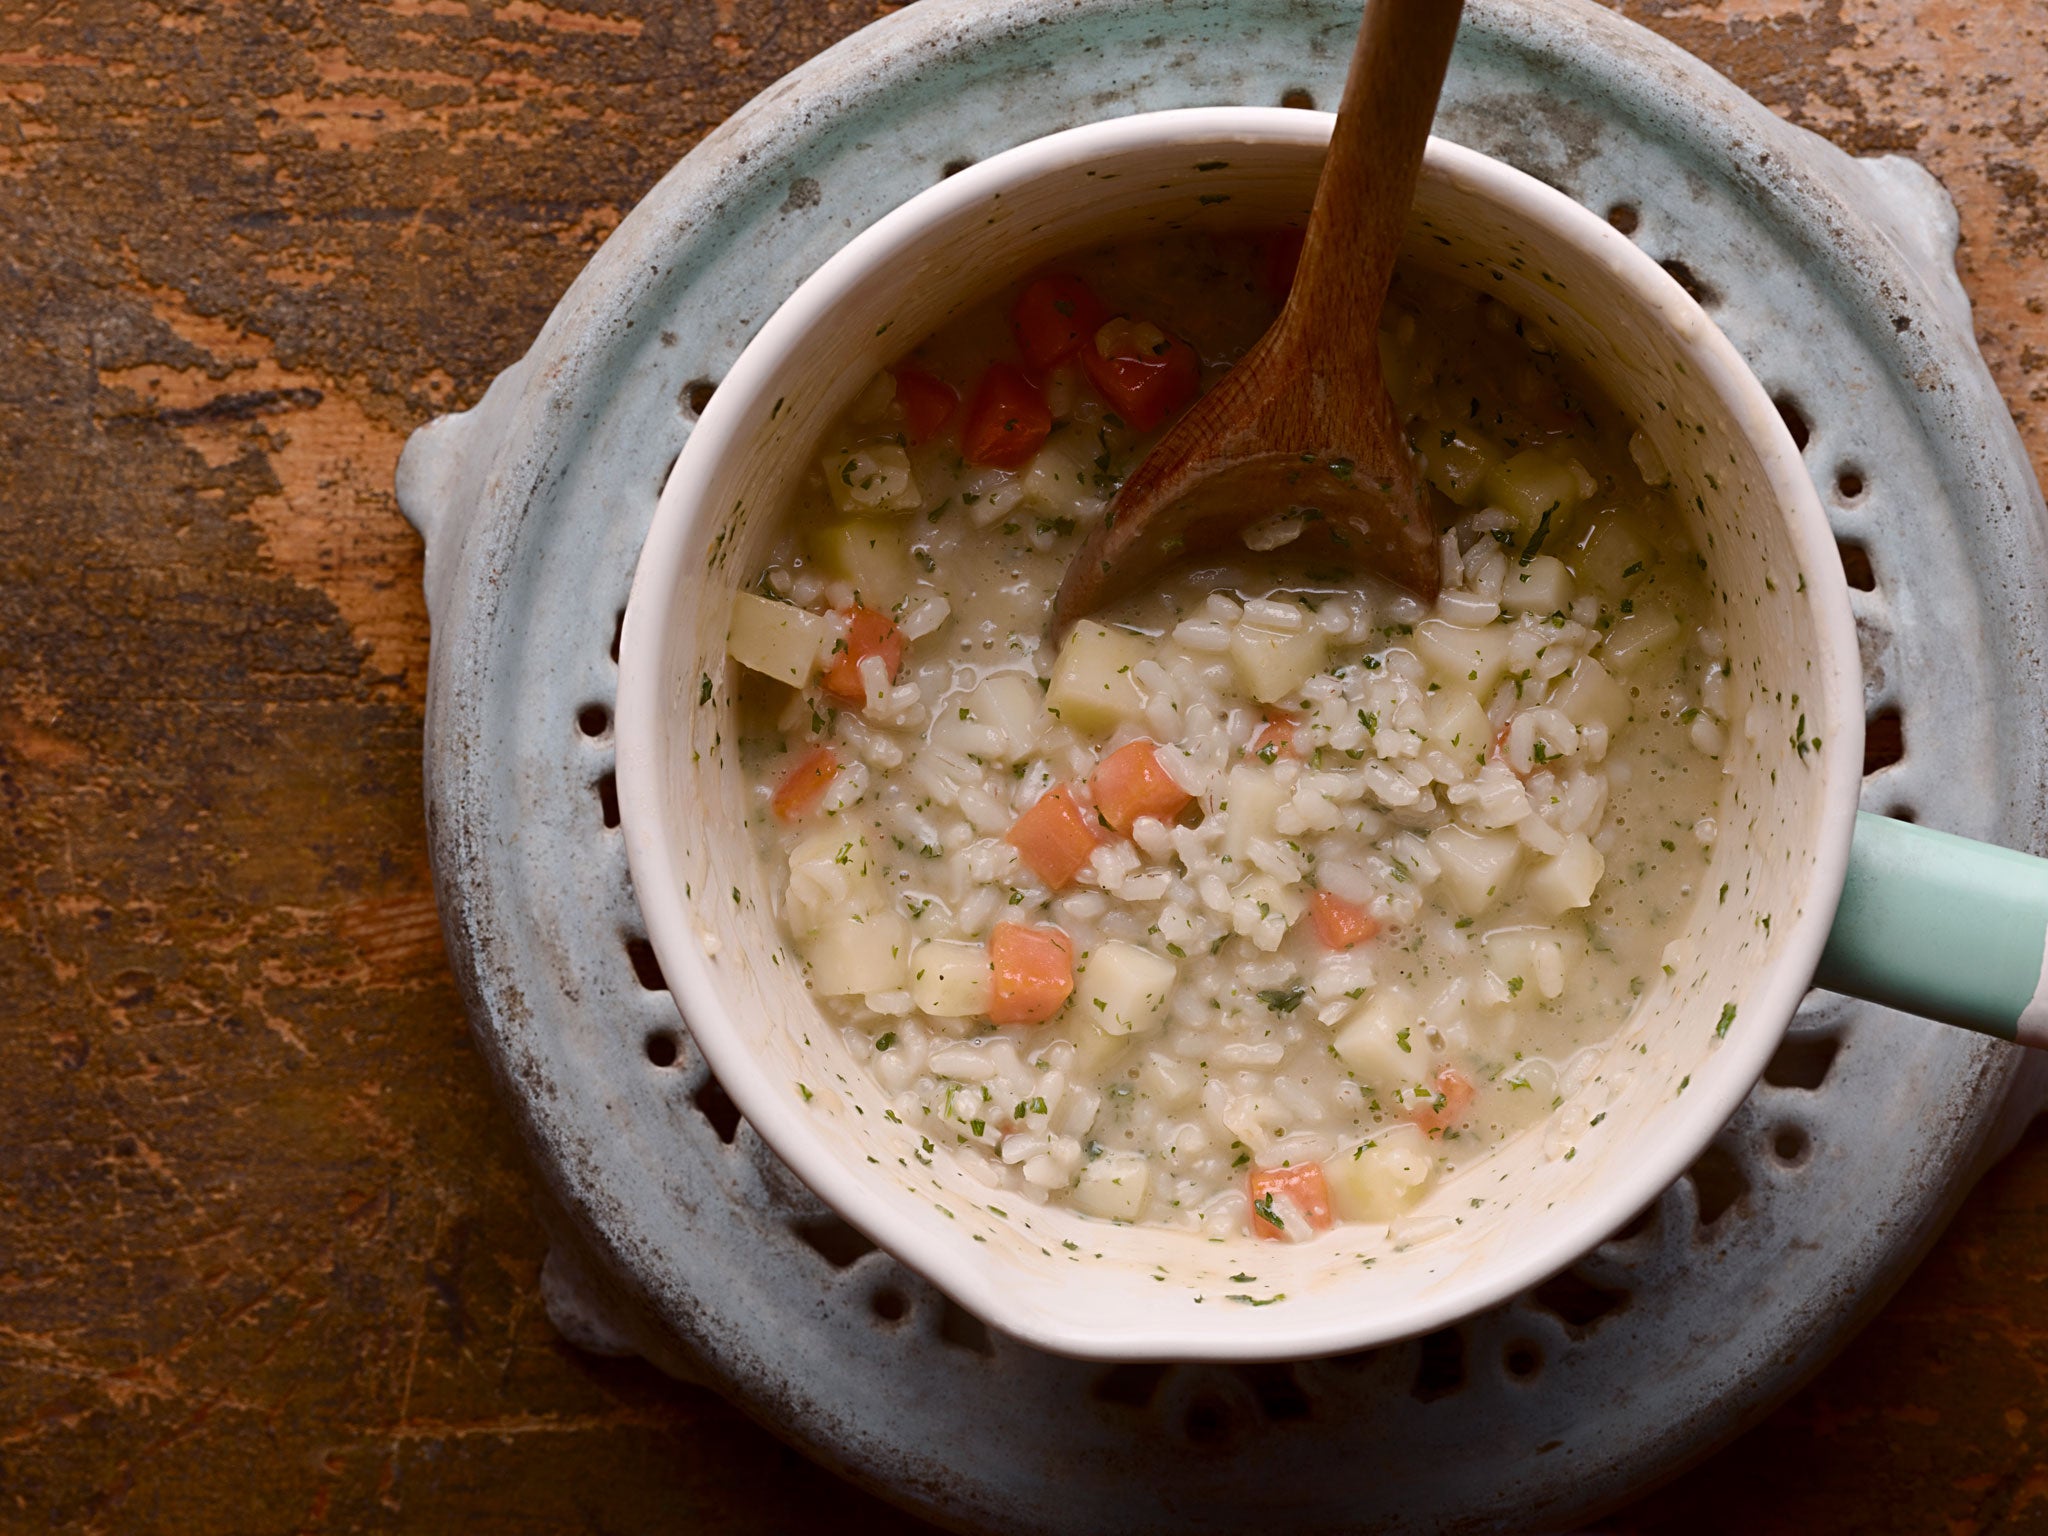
[(1303, 422)]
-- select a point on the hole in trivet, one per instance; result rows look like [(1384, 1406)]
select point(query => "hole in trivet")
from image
[(714, 1106), (1298, 97), (1623, 216), (663, 1048), (696, 395), (953, 168), (1884, 741), (1718, 1181), (1703, 292), (1639, 1223), (1856, 565), (645, 966), (1207, 1422), (608, 799), (1522, 1359), (891, 1306), (1791, 1145), (618, 631), (1795, 421), (1128, 1386), (1279, 1394), (1848, 482), (1803, 1061), (962, 1329), (593, 719), (1577, 1301), (837, 1241), (1441, 1369)]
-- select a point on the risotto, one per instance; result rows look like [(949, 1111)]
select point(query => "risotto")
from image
[(1269, 897)]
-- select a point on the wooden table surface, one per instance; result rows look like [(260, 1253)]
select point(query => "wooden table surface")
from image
[(267, 1258)]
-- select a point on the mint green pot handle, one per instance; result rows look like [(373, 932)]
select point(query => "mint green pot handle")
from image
[(1945, 928)]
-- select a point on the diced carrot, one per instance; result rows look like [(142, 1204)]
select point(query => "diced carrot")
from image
[(1031, 973), (1007, 421), (1145, 374), (868, 633), (1130, 783), (1448, 1105), (1281, 1195), (1276, 737), (804, 785), (1052, 317), (927, 403), (1054, 836), (1340, 924), (1283, 255)]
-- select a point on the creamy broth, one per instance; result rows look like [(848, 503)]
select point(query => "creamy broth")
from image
[(1272, 895)]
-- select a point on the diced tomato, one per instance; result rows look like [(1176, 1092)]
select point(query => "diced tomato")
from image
[(1031, 973), (1007, 421), (1340, 924), (1130, 783), (1283, 255), (1054, 836), (1281, 1195), (1145, 374), (804, 785), (1276, 737), (1453, 1097), (1053, 316), (868, 633), (927, 403)]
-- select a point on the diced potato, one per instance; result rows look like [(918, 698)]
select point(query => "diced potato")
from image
[(1541, 586), (949, 979), (867, 554), (1093, 688), (1094, 1048), (852, 954), (1459, 467), (1639, 635), (1113, 1186), (1609, 557), (1591, 696), (875, 477), (1124, 986), (834, 872), (1061, 480), (1458, 725), (1567, 880), (1015, 706), (1532, 483), (1472, 659), (1252, 797), (1476, 865), (1375, 1041), (1379, 1178), (1000, 721), (1274, 662), (1262, 890), (1168, 1081), (778, 640)]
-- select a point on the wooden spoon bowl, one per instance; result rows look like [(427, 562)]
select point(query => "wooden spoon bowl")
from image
[(1300, 436)]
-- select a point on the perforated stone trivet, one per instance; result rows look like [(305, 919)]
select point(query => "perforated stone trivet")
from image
[(679, 1236)]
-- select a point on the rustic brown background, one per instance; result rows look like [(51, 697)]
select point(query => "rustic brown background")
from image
[(267, 1261)]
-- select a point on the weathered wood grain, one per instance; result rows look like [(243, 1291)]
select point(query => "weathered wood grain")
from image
[(267, 1261)]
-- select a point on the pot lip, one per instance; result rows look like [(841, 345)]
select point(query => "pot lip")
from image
[(782, 1121)]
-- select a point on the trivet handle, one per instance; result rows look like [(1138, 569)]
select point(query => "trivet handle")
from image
[(1943, 927)]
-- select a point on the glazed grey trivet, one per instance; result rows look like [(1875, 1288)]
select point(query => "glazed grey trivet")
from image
[(680, 1237)]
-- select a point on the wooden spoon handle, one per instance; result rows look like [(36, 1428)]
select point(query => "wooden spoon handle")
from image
[(1368, 181)]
